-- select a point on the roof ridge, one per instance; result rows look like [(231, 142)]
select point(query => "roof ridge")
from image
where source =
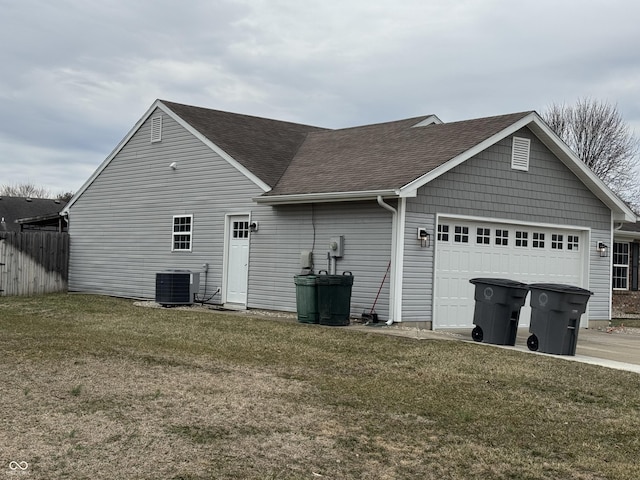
[(244, 115)]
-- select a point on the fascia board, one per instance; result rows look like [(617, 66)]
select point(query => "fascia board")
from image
[(621, 235), (111, 156), (234, 163), (325, 197), (409, 188)]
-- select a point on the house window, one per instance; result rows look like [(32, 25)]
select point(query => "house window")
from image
[(483, 236), (556, 241), (522, 239), (573, 242), (620, 277), (538, 240), (502, 237), (240, 229), (443, 233), (520, 154), (182, 229), (461, 234), (156, 129)]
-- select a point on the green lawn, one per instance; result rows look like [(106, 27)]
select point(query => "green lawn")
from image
[(97, 388)]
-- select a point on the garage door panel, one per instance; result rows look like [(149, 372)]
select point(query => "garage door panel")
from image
[(517, 252)]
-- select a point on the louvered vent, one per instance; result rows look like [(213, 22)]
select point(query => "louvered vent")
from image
[(520, 154), (156, 129)]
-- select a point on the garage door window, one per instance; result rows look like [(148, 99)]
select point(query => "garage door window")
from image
[(483, 236), (502, 237), (443, 233), (572, 242), (538, 240), (522, 239), (461, 234), (557, 241)]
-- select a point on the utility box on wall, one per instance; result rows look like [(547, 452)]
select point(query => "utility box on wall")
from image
[(336, 246)]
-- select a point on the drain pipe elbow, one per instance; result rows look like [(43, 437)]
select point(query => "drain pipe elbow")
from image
[(386, 206)]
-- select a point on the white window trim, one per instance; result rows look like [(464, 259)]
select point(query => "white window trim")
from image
[(520, 149), (622, 265), (174, 233)]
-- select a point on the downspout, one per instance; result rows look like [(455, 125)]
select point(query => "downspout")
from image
[(392, 278)]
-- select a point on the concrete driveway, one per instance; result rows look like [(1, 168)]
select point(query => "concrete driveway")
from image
[(619, 348)]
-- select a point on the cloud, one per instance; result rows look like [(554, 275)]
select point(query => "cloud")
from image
[(77, 75)]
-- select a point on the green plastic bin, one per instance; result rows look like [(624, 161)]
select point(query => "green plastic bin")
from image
[(307, 298), (334, 298)]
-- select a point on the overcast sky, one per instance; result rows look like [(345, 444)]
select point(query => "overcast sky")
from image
[(76, 75)]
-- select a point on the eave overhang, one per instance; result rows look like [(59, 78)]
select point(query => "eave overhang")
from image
[(328, 197)]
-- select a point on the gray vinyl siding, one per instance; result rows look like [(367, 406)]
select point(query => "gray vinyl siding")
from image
[(417, 290), (121, 226), (285, 231), (487, 186)]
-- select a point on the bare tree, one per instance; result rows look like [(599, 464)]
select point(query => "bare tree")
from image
[(599, 136), (24, 190), (65, 196)]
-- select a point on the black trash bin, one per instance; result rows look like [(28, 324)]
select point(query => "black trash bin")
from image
[(306, 298), (497, 310), (334, 298), (555, 317)]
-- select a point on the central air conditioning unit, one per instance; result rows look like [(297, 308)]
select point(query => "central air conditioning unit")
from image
[(177, 287)]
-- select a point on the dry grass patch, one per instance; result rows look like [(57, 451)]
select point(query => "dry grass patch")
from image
[(93, 387)]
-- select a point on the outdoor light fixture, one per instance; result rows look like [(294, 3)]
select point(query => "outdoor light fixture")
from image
[(602, 249), (424, 237), (173, 165)]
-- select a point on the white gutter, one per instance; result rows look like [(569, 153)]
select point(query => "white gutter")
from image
[(392, 279), (324, 197)]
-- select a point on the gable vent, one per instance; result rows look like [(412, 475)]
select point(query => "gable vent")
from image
[(156, 129), (520, 154)]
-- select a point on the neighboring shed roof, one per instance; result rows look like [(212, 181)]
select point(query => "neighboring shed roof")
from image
[(263, 146), (16, 208), (382, 156)]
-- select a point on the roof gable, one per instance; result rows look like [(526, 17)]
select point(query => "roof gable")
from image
[(259, 148), (386, 156)]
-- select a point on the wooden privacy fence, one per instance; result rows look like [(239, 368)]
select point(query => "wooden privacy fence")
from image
[(32, 263)]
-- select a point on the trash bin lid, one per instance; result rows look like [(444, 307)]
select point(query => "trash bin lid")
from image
[(499, 282), (560, 288), (305, 279)]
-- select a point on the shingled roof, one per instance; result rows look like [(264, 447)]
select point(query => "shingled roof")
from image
[(382, 156), (264, 146), (16, 208)]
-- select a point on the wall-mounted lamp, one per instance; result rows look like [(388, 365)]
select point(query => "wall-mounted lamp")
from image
[(424, 237), (602, 249), (253, 227), (173, 165)]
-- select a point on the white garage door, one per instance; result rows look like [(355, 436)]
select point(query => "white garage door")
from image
[(472, 249)]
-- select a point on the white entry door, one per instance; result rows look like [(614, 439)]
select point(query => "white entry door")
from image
[(525, 253), (237, 259)]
